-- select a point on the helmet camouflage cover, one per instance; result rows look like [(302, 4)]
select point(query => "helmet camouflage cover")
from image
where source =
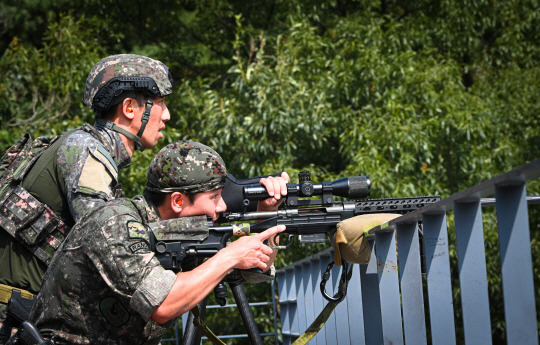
[(126, 72), (187, 167)]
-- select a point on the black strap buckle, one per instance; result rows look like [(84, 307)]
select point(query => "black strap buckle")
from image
[(346, 275)]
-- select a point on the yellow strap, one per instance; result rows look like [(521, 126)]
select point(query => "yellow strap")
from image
[(319, 322), (204, 328), (6, 290), (312, 330), (317, 325)]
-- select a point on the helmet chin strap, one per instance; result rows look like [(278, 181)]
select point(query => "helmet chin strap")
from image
[(136, 138), (144, 121)]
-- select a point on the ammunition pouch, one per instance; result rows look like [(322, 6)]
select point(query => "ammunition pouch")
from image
[(31, 222), (25, 218)]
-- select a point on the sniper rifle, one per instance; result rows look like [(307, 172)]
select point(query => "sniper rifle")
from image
[(312, 221)]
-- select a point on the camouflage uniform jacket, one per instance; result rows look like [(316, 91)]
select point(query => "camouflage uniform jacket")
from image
[(90, 178), (104, 283), (76, 178)]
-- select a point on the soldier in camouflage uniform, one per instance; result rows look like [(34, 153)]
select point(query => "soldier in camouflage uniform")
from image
[(80, 170), (112, 289)]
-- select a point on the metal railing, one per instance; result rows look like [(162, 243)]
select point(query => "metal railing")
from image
[(404, 295)]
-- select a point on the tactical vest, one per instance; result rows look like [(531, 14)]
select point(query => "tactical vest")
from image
[(32, 223)]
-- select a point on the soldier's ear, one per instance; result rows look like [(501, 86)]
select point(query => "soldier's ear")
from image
[(127, 108), (176, 202)]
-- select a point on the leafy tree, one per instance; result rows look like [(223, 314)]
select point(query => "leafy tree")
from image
[(42, 88), (424, 97)]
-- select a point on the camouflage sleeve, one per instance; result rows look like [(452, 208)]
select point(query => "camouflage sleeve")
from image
[(152, 291), (90, 177), (137, 272)]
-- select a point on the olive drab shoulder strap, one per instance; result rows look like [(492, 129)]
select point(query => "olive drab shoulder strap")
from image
[(22, 215)]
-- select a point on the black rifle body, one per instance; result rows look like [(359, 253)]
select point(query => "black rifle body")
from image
[(311, 224)]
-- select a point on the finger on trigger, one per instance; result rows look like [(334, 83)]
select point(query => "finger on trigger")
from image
[(272, 232), (266, 250)]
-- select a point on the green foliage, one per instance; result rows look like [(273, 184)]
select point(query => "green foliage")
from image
[(27, 20), (267, 111), (362, 98), (42, 87), (424, 97)]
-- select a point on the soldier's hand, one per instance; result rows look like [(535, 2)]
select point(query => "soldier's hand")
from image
[(250, 251), (276, 188)]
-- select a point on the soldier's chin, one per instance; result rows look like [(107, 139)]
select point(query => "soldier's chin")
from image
[(151, 145)]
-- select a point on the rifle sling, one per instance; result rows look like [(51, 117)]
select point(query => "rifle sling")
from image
[(319, 322), (317, 325), (197, 321)]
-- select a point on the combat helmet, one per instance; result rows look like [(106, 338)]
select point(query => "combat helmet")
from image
[(187, 167), (116, 77)]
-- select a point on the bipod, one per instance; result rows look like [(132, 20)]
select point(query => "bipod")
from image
[(192, 334), (245, 312)]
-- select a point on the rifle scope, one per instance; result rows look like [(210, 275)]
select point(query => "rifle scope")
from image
[(348, 187)]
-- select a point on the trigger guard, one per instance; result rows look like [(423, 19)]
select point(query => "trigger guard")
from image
[(290, 243)]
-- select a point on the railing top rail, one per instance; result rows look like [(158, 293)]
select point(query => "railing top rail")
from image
[(519, 175), (327, 252)]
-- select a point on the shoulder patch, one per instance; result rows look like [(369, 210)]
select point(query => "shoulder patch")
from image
[(138, 236), (137, 231), (96, 176)]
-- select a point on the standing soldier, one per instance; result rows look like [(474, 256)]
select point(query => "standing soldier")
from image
[(77, 172)]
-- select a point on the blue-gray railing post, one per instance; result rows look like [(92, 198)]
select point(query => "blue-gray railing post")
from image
[(472, 271), (387, 268), (355, 308), (371, 300), (317, 268), (300, 301), (341, 313), (312, 297), (516, 264), (331, 332), (410, 272), (274, 310), (306, 295), (441, 308)]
